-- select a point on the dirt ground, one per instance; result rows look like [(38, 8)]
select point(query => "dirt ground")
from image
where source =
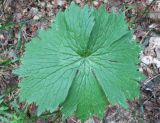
[(19, 22)]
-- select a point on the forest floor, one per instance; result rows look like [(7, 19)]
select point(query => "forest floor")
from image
[(19, 22)]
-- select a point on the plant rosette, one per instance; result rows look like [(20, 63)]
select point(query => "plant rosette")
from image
[(84, 62)]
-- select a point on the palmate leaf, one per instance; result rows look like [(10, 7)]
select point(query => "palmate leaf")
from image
[(85, 61)]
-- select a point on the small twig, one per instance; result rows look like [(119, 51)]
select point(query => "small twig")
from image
[(142, 40), (148, 99), (73, 120), (147, 7), (145, 82), (141, 106)]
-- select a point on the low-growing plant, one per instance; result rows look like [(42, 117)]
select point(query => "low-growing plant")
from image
[(84, 62), (5, 116), (10, 116)]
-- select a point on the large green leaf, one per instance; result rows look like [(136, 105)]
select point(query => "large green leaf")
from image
[(85, 61)]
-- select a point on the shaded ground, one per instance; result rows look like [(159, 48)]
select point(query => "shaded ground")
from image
[(19, 22)]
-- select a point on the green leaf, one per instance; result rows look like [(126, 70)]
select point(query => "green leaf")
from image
[(86, 60), (115, 57), (86, 96)]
